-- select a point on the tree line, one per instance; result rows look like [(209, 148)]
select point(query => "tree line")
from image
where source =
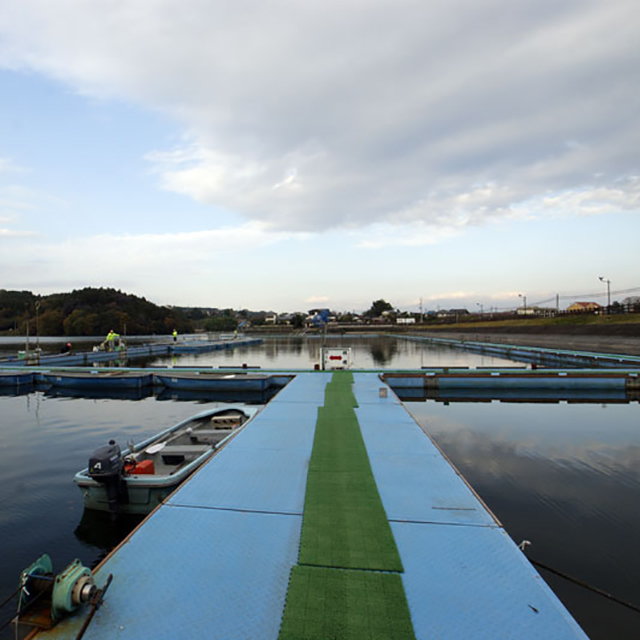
[(86, 312)]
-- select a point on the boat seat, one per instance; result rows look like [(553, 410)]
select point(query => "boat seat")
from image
[(226, 419), (185, 449), (207, 433)]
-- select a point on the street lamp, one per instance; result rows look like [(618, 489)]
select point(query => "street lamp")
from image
[(524, 298), (608, 282)]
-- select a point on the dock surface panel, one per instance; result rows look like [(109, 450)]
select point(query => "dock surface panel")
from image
[(214, 561)]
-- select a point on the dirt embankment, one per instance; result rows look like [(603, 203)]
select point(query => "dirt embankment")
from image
[(617, 338)]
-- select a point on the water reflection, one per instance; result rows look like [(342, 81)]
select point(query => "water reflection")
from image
[(303, 352), (100, 530), (104, 394), (517, 395), (246, 397), (383, 351), (22, 390), (567, 478)]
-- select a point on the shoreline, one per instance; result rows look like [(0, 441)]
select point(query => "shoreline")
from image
[(625, 344)]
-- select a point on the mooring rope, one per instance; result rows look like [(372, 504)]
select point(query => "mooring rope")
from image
[(586, 585), (525, 543), (11, 596)]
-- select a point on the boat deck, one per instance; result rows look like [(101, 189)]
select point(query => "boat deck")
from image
[(215, 560)]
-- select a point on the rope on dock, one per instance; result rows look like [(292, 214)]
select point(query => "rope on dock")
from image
[(525, 543), (585, 585), (5, 602)]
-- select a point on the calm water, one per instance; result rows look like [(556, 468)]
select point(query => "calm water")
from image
[(304, 353), (564, 476)]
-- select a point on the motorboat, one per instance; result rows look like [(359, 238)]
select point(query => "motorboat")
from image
[(138, 478)]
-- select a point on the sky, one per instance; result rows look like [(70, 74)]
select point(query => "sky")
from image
[(289, 155)]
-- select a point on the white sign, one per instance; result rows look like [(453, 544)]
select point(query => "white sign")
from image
[(336, 358)]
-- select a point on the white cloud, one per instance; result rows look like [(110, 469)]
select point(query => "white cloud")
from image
[(504, 295), (8, 165), (315, 299), (382, 235), (311, 116), (450, 295), (13, 233), (178, 262)]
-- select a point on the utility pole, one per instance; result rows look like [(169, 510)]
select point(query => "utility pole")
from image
[(524, 298), (608, 283)]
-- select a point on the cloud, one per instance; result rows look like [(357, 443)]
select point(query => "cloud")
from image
[(126, 260), (315, 299), (312, 116), (451, 295), (381, 235), (8, 165), (18, 203), (13, 233)]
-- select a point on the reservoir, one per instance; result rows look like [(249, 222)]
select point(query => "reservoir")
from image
[(563, 475)]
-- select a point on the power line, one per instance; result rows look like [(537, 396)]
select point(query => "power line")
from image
[(559, 297)]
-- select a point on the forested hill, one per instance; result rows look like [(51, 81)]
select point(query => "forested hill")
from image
[(86, 312)]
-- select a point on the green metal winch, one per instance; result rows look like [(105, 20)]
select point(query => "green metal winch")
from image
[(46, 598)]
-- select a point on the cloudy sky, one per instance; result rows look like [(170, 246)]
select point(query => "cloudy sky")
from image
[(286, 154)]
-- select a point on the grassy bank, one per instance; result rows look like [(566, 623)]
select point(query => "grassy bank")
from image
[(525, 324)]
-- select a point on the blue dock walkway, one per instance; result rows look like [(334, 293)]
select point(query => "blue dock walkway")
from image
[(214, 561), (90, 358)]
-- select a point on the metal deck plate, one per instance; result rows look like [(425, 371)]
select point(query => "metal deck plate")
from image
[(415, 482), (305, 388), (263, 480), (393, 431), (367, 387), (197, 573), (285, 426), (264, 468), (474, 583), (417, 488)]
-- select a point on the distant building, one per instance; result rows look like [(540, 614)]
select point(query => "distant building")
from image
[(535, 311), (582, 307), (452, 313)]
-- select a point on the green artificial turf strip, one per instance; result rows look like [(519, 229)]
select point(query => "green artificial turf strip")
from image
[(350, 605), (344, 523), (337, 591), (354, 538)]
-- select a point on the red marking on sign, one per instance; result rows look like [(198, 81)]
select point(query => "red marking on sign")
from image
[(335, 357)]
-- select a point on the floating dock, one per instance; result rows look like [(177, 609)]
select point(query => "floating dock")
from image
[(536, 355), (89, 358), (215, 560)]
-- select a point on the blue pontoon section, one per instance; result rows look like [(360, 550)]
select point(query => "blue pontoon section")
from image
[(473, 583), (16, 378), (464, 577)]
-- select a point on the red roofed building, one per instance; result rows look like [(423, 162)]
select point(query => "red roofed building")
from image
[(578, 307)]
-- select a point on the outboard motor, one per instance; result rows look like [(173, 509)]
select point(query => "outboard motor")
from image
[(106, 466)]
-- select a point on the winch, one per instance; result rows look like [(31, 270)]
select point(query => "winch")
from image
[(45, 598)]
